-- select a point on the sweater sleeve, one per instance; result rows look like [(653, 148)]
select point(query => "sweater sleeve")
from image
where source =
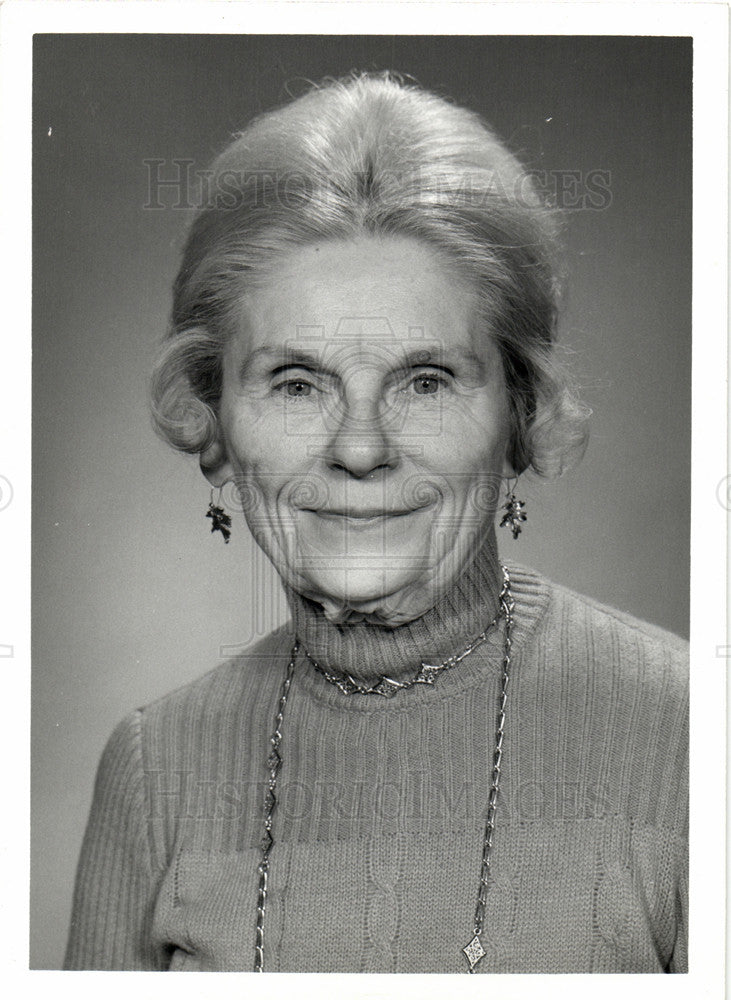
[(115, 879), (679, 959)]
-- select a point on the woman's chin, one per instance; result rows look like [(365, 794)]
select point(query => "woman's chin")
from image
[(382, 595)]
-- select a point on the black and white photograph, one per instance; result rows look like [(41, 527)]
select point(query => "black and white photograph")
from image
[(362, 462)]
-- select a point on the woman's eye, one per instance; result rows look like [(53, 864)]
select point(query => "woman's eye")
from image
[(298, 388), (294, 387), (426, 385)]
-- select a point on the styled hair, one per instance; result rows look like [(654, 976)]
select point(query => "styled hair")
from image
[(371, 154)]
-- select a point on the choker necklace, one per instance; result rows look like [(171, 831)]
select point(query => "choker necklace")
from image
[(388, 687)]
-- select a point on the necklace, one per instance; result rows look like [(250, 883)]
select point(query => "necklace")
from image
[(388, 687)]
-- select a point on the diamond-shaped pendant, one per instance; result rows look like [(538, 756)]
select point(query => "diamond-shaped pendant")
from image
[(474, 952)]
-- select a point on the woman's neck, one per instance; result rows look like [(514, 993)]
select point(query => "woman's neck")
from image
[(367, 650)]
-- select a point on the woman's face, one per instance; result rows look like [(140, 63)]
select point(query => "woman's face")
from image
[(366, 422)]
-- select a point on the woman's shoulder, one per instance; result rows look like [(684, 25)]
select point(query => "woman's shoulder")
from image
[(610, 693), (222, 697), (574, 620)]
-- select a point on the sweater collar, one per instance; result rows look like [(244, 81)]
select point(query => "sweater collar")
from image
[(367, 650)]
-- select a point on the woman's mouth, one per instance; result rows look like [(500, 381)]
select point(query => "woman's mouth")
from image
[(360, 515)]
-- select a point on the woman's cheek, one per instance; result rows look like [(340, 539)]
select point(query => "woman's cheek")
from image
[(250, 440)]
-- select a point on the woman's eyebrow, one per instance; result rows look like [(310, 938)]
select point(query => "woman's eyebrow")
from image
[(286, 356), (451, 357)]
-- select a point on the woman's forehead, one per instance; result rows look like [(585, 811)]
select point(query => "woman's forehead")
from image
[(388, 296)]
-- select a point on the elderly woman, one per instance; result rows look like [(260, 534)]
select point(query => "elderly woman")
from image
[(440, 764)]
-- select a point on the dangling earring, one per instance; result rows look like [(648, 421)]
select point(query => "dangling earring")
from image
[(514, 515), (220, 520)]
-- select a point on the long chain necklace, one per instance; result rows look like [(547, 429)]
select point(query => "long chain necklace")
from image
[(388, 687)]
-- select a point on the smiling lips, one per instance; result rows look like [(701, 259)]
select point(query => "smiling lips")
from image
[(361, 516)]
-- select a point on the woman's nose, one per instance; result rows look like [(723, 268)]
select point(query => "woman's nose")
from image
[(360, 444)]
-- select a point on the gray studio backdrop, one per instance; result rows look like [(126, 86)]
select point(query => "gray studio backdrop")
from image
[(132, 594)]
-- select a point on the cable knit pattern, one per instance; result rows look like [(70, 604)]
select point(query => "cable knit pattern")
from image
[(379, 826)]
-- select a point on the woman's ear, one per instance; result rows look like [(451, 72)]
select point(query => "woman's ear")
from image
[(215, 464)]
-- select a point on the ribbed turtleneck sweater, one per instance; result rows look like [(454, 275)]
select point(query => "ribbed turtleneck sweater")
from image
[(368, 651), (381, 808)]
